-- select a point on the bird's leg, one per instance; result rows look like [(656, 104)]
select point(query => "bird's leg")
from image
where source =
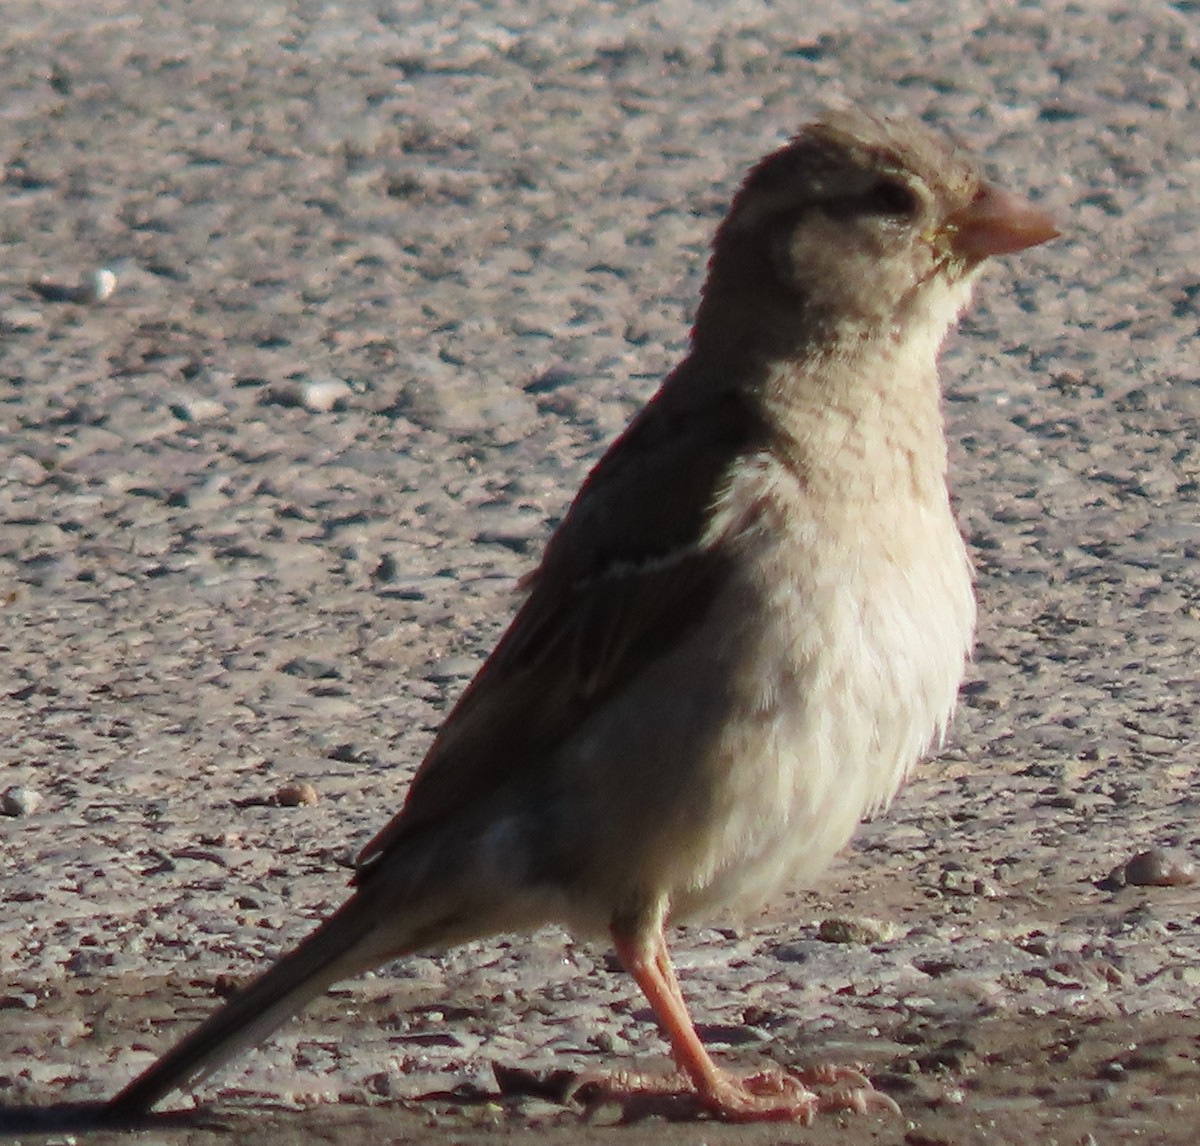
[(772, 1095)]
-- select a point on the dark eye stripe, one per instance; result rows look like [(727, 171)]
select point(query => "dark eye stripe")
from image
[(888, 197), (891, 197)]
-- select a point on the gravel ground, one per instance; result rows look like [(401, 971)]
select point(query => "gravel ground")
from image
[(387, 279)]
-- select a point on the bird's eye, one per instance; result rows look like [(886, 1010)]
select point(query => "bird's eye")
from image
[(891, 197)]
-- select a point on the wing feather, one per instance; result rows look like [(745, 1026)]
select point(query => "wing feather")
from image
[(627, 574)]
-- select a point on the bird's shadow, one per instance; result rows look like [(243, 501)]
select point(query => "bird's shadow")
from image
[(589, 1097), (90, 1117), (71, 1118)]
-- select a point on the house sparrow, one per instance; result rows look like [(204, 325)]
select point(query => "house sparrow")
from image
[(749, 626)]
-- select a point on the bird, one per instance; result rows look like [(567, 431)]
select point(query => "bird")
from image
[(748, 627)]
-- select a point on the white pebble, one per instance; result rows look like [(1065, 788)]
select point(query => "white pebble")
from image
[(19, 801), (322, 397)]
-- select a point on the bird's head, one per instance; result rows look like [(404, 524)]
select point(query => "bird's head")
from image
[(860, 228)]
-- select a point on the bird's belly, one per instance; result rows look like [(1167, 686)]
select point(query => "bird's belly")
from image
[(744, 759), (855, 678)]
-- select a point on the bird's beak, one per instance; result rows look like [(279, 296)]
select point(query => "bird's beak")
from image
[(997, 222)]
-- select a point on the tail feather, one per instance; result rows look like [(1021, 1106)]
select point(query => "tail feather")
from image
[(331, 953)]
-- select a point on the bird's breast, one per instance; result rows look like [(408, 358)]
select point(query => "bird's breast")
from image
[(855, 623), (743, 757)]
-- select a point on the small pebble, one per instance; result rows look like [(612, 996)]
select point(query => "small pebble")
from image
[(18, 1001), (198, 409), (861, 931), (321, 397), (23, 468), (382, 1085), (298, 795), (104, 283), (1156, 868), (19, 801), (966, 884), (93, 288)]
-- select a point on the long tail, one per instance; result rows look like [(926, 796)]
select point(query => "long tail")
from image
[(333, 952)]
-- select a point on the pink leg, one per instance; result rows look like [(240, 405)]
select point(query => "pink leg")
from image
[(765, 1096)]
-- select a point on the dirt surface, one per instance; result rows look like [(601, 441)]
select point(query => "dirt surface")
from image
[(387, 279)]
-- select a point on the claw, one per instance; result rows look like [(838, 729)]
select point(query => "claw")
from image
[(860, 1100), (830, 1074)]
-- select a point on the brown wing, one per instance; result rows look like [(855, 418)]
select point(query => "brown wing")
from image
[(625, 577)]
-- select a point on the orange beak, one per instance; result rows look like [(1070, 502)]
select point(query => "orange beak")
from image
[(997, 222)]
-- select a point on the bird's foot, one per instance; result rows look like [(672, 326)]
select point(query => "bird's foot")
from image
[(777, 1095), (773, 1095)]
